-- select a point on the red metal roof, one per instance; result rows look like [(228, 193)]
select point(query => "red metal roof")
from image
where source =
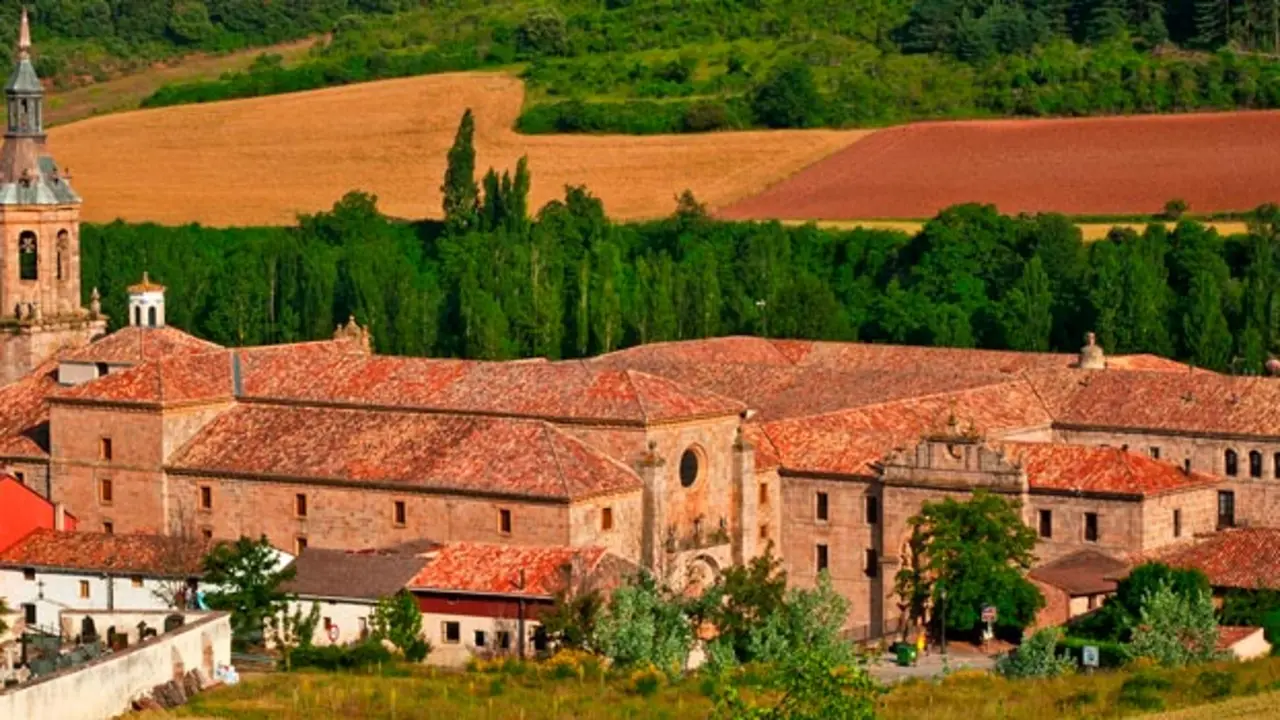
[(504, 569), (152, 555)]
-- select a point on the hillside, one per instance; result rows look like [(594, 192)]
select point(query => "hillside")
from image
[(262, 161)]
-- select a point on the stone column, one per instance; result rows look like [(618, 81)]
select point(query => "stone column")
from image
[(746, 498), (652, 471)]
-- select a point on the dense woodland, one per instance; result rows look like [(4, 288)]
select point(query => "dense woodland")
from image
[(492, 281), (644, 66)]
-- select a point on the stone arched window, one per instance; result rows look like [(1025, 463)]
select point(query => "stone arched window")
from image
[(1231, 461), (28, 256), (1255, 464), (137, 314), (64, 255), (151, 316)]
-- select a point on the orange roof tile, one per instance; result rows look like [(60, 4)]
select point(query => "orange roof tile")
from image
[(24, 413), (1247, 558), (427, 451), (1229, 635), (134, 344), (485, 569), (153, 555), (1099, 470)]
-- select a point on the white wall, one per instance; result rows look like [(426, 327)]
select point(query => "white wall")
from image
[(61, 591), (346, 614), (106, 687), (458, 654)]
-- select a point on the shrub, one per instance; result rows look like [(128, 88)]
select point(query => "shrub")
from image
[(1144, 691), (1037, 657), (1175, 209), (1215, 684), (362, 656), (788, 98), (1175, 629), (646, 682)]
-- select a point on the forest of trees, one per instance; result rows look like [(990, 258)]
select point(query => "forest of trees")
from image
[(494, 282)]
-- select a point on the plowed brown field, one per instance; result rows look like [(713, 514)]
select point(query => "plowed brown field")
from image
[(263, 160), (1216, 162)]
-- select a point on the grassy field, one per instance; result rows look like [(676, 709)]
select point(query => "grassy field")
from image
[(1222, 691), (261, 161)]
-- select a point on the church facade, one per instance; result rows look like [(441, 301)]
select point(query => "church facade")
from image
[(682, 457)]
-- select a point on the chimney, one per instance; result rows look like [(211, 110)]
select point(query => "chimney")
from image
[(59, 517), (1091, 355)]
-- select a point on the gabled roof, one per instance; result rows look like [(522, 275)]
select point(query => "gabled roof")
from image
[(1247, 558), (135, 344), (483, 455), (1100, 470), (360, 575), (1086, 572), (149, 555), (24, 413), (510, 570)]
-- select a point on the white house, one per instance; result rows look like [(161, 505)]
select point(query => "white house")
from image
[(346, 586)]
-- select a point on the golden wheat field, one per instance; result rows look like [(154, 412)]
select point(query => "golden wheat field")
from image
[(262, 161)]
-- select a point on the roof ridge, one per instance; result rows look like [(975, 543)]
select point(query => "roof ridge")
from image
[(593, 450), (895, 401), (555, 457), (644, 412)]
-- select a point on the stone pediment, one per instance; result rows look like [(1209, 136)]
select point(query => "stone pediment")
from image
[(953, 463)]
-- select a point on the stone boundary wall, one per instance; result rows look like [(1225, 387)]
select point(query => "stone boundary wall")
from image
[(105, 688)]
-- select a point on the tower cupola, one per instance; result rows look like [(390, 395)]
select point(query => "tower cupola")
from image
[(24, 95), (146, 303)]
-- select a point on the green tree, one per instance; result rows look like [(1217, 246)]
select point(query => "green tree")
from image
[(1175, 629), (1205, 326), (398, 620), (1037, 657), (290, 631), (744, 598), (789, 98), (245, 579), (4, 611), (1121, 613), (1028, 310), (977, 552), (645, 624), (571, 621), (461, 205)]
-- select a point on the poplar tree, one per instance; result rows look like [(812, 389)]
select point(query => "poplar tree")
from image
[(460, 191)]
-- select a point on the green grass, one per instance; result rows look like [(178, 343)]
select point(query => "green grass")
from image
[(533, 692)]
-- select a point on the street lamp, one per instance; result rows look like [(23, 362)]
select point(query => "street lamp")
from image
[(943, 621)]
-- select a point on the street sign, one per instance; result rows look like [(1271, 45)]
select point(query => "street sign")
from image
[(988, 613), (1090, 656)]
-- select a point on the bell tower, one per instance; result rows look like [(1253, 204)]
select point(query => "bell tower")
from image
[(40, 310)]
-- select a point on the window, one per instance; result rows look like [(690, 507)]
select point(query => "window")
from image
[(299, 544), (1177, 523), (399, 518), (504, 639), (1255, 464), (1232, 462), (22, 477), (823, 510), (764, 493), (451, 632), (364, 627), (104, 448), (136, 581), (151, 316), (137, 314), (873, 510), (1046, 524), (29, 574), (690, 467), (1226, 509), (1091, 527), (1186, 465), (206, 533), (764, 532), (480, 639), (504, 522), (873, 563), (1275, 464), (606, 519), (28, 256), (821, 559), (84, 589), (1154, 451), (206, 497), (300, 505), (105, 491), (29, 613), (108, 527), (64, 247), (102, 369)]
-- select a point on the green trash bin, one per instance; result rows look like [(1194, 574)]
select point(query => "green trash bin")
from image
[(906, 655)]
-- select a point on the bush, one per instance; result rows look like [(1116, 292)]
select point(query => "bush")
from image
[(1215, 684), (788, 98), (361, 656), (1144, 691), (1037, 657), (705, 115), (1175, 209), (646, 682)]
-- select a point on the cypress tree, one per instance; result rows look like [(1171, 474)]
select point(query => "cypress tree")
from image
[(460, 191)]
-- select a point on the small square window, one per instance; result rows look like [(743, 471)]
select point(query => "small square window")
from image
[(606, 518), (22, 477), (108, 527), (29, 574), (873, 510), (400, 514), (299, 544), (821, 559), (105, 491), (300, 505), (1154, 451), (206, 533), (1046, 524), (104, 448), (504, 522), (29, 613), (136, 581), (764, 532), (451, 632), (823, 510), (84, 589), (1091, 527), (873, 563), (764, 493), (480, 638), (206, 497), (504, 639)]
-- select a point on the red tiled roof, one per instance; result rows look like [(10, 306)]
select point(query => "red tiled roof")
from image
[(1099, 470), (852, 442), (1229, 635), (487, 569), (134, 344), (152, 555), (24, 413), (1247, 558), (1086, 572), (429, 451)]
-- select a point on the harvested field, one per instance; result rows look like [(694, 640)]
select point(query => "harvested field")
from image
[(263, 160), (1216, 162), (1089, 231)]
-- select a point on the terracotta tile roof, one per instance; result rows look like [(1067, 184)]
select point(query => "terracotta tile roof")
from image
[(1086, 572), (134, 344), (486, 569), (1247, 558), (852, 442), (415, 450), (1230, 635), (1099, 470), (24, 413), (1195, 402), (364, 574), (151, 555)]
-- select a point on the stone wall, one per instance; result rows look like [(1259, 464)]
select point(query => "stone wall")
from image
[(1207, 453), (104, 688), (626, 511), (1119, 525), (25, 345)]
